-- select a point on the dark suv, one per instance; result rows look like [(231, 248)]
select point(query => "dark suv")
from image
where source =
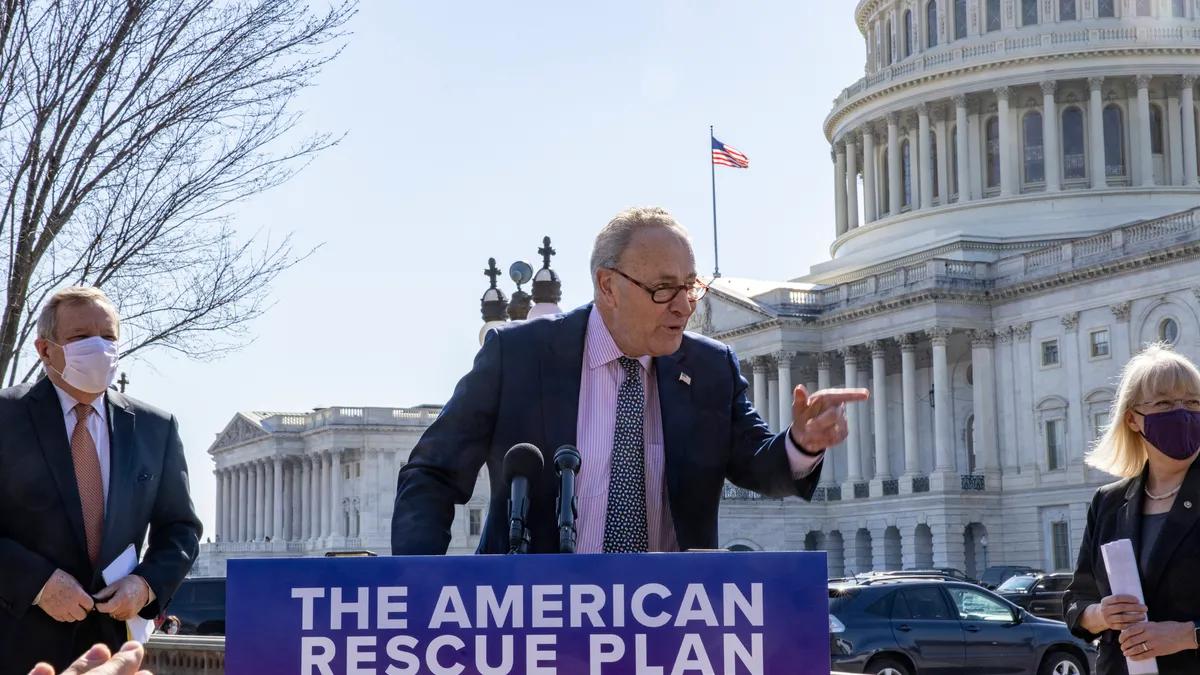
[(935, 626), (200, 606), (998, 574), (1041, 594)]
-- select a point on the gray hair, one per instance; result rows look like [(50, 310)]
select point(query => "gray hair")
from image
[(614, 238), (73, 296)]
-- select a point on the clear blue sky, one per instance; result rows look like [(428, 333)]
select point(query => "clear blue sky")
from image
[(475, 129)]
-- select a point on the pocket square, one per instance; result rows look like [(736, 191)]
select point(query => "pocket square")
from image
[(684, 378)]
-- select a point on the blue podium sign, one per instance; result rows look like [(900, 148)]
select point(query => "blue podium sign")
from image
[(655, 614)]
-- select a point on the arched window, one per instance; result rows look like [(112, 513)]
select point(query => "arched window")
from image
[(1106, 9), (993, 15), (886, 196), (953, 160), (1029, 12), (906, 172), (933, 155), (993, 152), (1179, 9), (908, 34), (1143, 8), (1067, 10), (1035, 158), (1074, 150), (1156, 130), (931, 24), (1114, 142), (960, 19)]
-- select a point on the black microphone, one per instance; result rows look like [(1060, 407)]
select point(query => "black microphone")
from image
[(522, 465), (566, 463)]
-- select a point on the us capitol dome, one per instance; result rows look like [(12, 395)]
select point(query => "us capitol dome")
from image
[(1016, 215)]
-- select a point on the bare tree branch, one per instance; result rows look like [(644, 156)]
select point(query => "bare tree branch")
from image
[(127, 129)]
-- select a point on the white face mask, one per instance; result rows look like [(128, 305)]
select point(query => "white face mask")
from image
[(91, 364)]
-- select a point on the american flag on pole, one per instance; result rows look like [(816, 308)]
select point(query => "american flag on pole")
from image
[(727, 156)]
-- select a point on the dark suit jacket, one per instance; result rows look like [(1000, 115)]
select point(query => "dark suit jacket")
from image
[(524, 388), (1170, 584), (41, 521)]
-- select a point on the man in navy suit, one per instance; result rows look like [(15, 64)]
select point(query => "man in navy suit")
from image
[(660, 416)]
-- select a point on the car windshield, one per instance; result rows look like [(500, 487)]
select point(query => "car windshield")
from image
[(1017, 584)]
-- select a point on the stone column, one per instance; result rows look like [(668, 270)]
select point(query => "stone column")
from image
[(984, 392), (824, 361), (1174, 138), (1188, 96), (238, 531), (1008, 140), (272, 497), (260, 506), (963, 147), (327, 483), (220, 476), (318, 492), (925, 156), (306, 498), (895, 182), (230, 502), (277, 494), (772, 400), (908, 376), (252, 501), (1121, 351), (1049, 136), (943, 154), (942, 400), (883, 462), (335, 475), (786, 391), (853, 452), (866, 433), (761, 365), (839, 188), (870, 214), (1146, 161), (1096, 129), (851, 180), (288, 499)]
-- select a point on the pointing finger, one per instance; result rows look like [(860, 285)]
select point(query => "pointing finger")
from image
[(831, 397)]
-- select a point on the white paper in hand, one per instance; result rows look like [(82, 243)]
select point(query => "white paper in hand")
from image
[(138, 629), (1123, 578)]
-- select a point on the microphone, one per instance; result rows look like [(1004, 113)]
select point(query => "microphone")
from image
[(566, 463), (522, 465)]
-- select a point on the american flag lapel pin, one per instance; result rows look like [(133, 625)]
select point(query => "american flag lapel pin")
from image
[(683, 377)]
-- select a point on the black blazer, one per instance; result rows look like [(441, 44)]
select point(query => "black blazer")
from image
[(524, 388), (1171, 582), (41, 521)]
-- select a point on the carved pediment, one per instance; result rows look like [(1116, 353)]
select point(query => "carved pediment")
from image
[(238, 431)]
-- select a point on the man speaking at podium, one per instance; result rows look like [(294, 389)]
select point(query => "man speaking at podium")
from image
[(660, 417)]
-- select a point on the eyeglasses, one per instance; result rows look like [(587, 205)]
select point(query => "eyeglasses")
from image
[(665, 294), (1167, 405)]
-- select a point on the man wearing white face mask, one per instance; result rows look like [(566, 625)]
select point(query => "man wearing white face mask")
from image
[(84, 472)]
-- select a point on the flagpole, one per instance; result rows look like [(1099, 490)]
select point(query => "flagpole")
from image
[(713, 166)]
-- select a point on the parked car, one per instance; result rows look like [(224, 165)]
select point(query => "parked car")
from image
[(998, 574), (1041, 594), (932, 626), (945, 571), (200, 606)]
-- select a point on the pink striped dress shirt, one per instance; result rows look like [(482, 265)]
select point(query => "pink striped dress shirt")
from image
[(595, 428)]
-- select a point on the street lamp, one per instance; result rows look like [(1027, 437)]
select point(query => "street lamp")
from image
[(983, 542), (497, 309)]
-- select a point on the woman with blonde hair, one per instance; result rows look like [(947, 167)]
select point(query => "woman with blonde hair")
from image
[(1151, 442)]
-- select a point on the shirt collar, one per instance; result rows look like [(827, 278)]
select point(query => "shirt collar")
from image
[(69, 403), (601, 348)]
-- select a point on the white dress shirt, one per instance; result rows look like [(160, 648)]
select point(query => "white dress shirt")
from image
[(97, 426)]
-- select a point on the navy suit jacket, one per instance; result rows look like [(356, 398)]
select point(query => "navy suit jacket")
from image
[(524, 388), (41, 521)]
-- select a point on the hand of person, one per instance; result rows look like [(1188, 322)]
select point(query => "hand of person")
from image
[(64, 599), (819, 420), (1157, 638), (1119, 612), (99, 661), (125, 598)]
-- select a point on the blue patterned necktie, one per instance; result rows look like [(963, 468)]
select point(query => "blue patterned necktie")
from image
[(625, 528)]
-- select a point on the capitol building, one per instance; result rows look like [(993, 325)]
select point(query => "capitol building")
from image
[(1017, 213)]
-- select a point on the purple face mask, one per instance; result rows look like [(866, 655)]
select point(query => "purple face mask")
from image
[(1176, 433)]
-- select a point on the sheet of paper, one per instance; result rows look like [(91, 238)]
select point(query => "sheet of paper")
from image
[(137, 628), (1124, 579)]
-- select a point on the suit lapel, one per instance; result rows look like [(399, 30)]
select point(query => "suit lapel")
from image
[(561, 374), (1180, 521), (46, 411), (120, 475), (675, 404)]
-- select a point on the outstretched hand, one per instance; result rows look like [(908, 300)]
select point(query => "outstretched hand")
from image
[(819, 420), (100, 661)]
